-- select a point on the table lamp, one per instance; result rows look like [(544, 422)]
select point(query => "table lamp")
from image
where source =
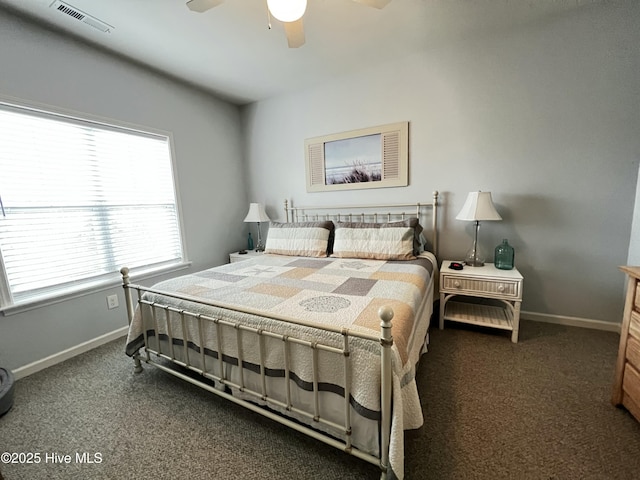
[(478, 207), (257, 214)]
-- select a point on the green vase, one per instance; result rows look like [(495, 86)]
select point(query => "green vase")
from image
[(504, 256)]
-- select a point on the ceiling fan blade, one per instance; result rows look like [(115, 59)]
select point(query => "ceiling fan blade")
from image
[(295, 33), (374, 3), (202, 5)]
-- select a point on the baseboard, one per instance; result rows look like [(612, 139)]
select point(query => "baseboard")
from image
[(68, 353), (571, 321)]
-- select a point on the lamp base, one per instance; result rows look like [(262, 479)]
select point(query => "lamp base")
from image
[(260, 246), (474, 257), (474, 263)]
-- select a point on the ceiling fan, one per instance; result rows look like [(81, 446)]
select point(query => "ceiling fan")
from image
[(289, 12)]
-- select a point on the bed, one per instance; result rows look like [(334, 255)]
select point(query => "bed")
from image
[(322, 332)]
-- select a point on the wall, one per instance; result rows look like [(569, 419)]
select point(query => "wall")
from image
[(545, 116), (634, 242), (43, 67)]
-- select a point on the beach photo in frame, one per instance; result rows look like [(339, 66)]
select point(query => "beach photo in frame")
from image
[(373, 157)]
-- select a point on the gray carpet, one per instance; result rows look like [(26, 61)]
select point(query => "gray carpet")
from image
[(538, 409)]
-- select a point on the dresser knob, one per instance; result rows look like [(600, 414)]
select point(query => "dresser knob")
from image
[(456, 284), (501, 288)]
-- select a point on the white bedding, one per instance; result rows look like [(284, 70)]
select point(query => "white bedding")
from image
[(339, 292)]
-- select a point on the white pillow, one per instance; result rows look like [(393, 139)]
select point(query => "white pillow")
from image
[(302, 239), (381, 241)]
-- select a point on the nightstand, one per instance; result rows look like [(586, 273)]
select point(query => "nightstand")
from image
[(239, 257), (487, 282)]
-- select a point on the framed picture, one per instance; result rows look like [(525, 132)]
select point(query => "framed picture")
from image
[(372, 157)]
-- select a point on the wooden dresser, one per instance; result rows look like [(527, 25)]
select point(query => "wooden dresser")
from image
[(626, 389)]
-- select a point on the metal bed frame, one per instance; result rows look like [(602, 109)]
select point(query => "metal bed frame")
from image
[(160, 313)]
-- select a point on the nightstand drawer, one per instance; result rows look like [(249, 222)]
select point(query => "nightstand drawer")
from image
[(502, 288)]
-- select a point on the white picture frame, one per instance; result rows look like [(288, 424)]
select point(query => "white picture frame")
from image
[(374, 157)]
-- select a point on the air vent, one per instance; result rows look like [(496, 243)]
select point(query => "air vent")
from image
[(73, 12)]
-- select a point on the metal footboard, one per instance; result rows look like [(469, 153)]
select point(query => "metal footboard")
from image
[(219, 371)]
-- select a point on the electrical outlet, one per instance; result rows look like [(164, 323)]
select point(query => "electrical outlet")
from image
[(112, 301)]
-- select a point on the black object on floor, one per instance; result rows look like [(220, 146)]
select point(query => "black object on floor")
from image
[(6, 391)]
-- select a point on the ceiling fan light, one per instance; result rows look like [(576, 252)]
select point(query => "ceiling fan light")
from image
[(287, 10)]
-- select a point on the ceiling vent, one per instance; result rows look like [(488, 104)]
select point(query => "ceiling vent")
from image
[(81, 16)]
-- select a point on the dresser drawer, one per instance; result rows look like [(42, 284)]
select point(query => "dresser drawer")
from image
[(633, 352), (633, 407), (502, 288), (634, 325), (631, 383)]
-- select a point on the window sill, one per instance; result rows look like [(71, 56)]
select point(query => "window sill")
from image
[(81, 291)]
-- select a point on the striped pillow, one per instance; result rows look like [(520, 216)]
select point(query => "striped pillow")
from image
[(381, 241), (302, 239)]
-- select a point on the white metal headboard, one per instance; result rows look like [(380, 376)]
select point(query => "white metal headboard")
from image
[(374, 213)]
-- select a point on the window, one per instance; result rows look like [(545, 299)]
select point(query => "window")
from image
[(80, 200)]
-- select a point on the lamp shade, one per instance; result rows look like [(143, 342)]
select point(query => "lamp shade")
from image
[(256, 213), (287, 10), (478, 206)]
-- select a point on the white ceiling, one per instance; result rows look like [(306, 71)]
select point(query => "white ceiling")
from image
[(229, 50)]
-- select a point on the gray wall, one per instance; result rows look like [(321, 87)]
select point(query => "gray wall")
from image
[(634, 242), (545, 116), (40, 66)]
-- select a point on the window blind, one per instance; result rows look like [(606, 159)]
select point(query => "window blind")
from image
[(81, 199)]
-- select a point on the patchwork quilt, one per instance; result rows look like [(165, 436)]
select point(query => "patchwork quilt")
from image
[(340, 292)]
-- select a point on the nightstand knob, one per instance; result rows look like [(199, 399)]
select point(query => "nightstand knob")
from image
[(501, 288), (456, 284)]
